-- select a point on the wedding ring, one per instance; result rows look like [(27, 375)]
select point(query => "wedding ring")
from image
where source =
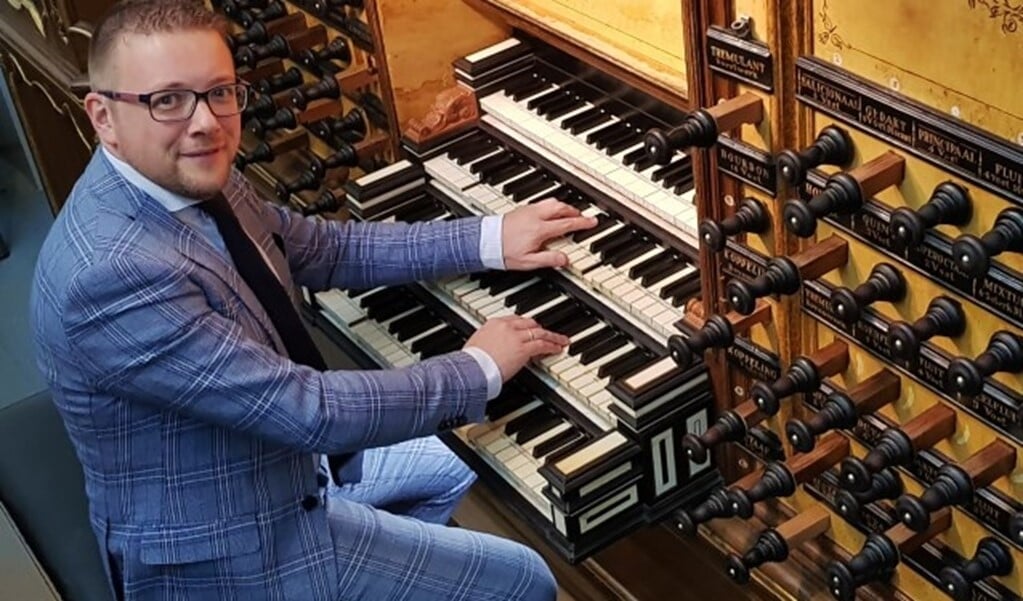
[(532, 337)]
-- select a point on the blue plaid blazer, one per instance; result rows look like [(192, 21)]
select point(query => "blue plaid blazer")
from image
[(196, 435)]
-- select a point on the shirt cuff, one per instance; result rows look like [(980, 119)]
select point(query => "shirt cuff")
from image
[(490, 370), (491, 246)]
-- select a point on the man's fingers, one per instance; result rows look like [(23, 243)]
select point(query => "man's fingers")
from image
[(542, 335), (544, 258), (552, 208), (566, 226)]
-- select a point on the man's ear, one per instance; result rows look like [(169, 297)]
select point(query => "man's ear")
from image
[(99, 110)]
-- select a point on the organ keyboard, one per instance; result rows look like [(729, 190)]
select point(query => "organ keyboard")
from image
[(590, 440)]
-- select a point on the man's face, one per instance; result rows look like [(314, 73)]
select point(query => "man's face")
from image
[(192, 157)]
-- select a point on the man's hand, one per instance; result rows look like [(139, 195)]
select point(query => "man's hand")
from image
[(527, 229), (512, 341)]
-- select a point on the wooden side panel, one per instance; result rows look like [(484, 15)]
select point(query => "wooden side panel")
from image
[(421, 39), (646, 38)]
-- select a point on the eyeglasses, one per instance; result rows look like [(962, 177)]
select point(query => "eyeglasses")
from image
[(179, 105)]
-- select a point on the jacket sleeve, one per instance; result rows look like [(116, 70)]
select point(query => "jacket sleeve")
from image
[(145, 332), (325, 254)]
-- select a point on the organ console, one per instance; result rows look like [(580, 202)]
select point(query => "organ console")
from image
[(832, 147), (898, 446), (702, 127), (1004, 352), (784, 275), (973, 255), (751, 216), (773, 545), (944, 317), (949, 204), (804, 375), (780, 479), (844, 193), (956, 484), (811, 101), (842, 410), (991, 559), (885, 283)]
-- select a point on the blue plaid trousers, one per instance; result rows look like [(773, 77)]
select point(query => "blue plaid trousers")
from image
[(392, 542)]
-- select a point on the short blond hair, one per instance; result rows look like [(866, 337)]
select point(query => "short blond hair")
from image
[(146, 17)]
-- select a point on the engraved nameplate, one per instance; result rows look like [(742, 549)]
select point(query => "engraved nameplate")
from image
[(999, 406), (742, 262), (745, 60), (987, 160), (764, 443), (747, 164), (755, 361), (998, 290)]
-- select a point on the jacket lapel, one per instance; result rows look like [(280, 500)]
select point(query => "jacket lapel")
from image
[(174, 235)]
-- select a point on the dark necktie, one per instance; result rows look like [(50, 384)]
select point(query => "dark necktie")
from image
[(271, 294), (264, 284)]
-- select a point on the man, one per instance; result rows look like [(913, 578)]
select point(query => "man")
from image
[(198, 412)]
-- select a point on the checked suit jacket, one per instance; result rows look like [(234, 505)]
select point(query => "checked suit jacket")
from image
[(196, 434)]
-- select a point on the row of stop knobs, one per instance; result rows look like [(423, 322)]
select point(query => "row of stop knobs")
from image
[(784, 275), (842, 194), (921, 517)]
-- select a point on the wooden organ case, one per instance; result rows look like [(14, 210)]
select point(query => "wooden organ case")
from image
[(797, 329)]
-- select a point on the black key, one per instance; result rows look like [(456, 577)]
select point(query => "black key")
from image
[(533, 193), (536, 101), (625, 364), (507, 173), (564, 104), (628, 254), (676, 288), (562, 110), (614, 239), (492, 162), (538, 427), (533, 302), (474, 152), (662, 272), (462, 149), (533, 183), (517, 82), (456, 342), (603, 349), (537, 413), (604, 221), (530, 89), (512, 279), (382, 297), (431, 345), (556, 442), (617, 146), (634, 157), (539, 288), (578, 324), (550, 316), (582, 122), (413, 324), (678, 164), (644, 163), (391, 309), (588, 342), (506, 403), (652, 264), (605, 133), (678, 178)]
